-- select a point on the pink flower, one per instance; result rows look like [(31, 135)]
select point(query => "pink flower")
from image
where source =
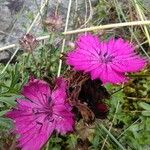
[(40, 113), (107, 61)]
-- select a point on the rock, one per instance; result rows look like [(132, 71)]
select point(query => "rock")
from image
[(15, 6), (77, 14), (17, 15), (146, 4), (5, 21), (4, 56)]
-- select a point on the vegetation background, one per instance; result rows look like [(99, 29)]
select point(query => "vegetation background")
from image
[(127, 126)]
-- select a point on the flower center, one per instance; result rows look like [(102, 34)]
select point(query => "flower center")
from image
[(45, 110), (106, 58)]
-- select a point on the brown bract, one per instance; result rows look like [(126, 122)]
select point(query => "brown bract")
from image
[(28, 42)]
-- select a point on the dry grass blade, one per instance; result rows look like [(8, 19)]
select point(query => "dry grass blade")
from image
[(142, 18), (108, 26)]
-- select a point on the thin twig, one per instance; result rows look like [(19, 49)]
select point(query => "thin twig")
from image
[(108, 26), (64, 40), (16, 45), (7, 47), (139, 99), (43, 37)]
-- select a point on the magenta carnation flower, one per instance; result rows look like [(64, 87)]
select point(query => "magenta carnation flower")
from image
[(40, 113), (107, 61)]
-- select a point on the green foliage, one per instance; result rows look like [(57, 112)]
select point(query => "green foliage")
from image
[(130, 129), (137, 135), (57, 142), (146, 107), (44, 63)]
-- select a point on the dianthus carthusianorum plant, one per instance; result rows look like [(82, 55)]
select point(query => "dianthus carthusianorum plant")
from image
[(55, 106)]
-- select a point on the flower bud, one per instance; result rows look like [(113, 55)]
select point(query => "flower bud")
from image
[(53, 22)]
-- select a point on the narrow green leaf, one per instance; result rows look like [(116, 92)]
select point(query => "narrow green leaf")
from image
[(146, 113), (144, 105), (3, 112), (11, 101), (112, 137)]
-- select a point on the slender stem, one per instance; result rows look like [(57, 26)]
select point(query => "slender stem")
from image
[(7, 47), (9, 61), (139, 99), (64, 40), (116, 25)]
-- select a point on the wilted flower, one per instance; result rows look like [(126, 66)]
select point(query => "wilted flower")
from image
[(101, 110), (28, 42), (40, 112), (107, 61)]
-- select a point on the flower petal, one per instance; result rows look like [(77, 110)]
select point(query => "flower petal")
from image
[(59, 93), (63, 118), (37, 137), (129, 64), (38, 91), (35, 116), (119, 47), (33, 130), (109, 75), (89, 43)]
